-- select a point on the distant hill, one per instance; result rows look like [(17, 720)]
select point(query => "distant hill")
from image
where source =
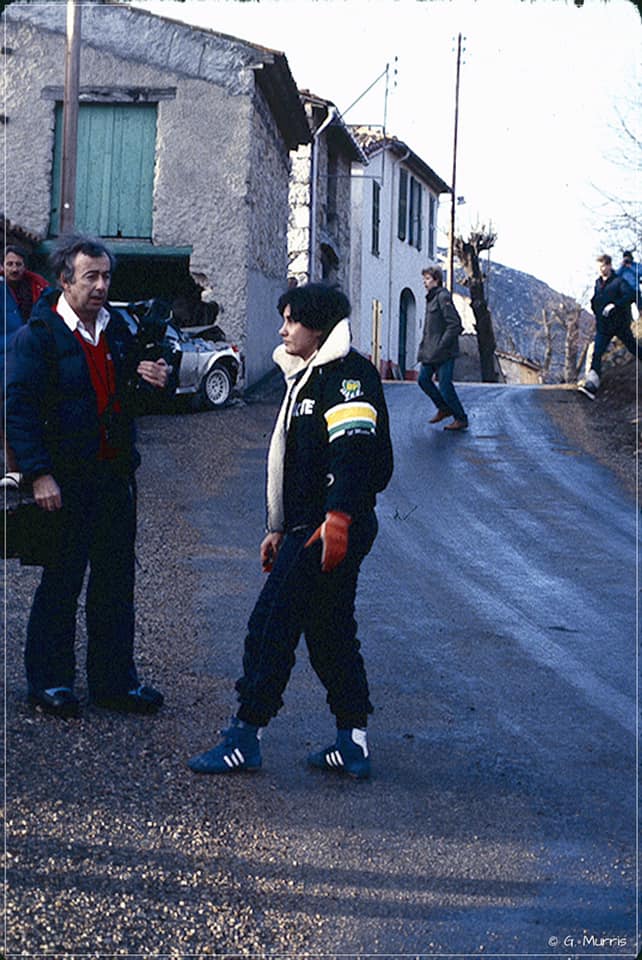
[(516, 302)]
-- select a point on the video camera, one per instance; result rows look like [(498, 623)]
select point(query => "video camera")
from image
[(152, 317)]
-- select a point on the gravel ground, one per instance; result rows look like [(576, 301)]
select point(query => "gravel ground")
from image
[(109, 849)]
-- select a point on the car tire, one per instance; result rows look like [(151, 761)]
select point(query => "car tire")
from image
[(216, 387)]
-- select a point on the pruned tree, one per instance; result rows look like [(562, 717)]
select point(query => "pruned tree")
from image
[(467, 252)]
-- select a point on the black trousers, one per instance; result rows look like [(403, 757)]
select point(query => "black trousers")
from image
[(298, 598), (98, 529)]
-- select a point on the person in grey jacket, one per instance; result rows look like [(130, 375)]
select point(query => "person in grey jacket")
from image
[(438, 349)]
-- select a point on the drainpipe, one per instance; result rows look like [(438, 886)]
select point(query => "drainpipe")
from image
[(391, 241), (70, 119), (332, 113)]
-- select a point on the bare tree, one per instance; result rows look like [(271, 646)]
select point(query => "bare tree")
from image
[(562, 319), (547, 336), (468, 251), (620, 208)]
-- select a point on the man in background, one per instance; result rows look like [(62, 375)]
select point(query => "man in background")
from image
[(19, 290), (611, 305)]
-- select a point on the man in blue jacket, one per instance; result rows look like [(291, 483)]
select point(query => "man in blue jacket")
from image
[(629, 270), (329, 456), (71, 378), (611, 304)]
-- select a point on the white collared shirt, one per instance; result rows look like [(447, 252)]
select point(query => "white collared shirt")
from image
[(74, 322)]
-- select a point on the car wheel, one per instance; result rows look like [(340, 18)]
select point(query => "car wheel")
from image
[(216, 387)]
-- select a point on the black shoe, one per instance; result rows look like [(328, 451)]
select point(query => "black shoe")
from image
[(142, 700), (59, 701)]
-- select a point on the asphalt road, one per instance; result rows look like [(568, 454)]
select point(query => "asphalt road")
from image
[(497, 614)]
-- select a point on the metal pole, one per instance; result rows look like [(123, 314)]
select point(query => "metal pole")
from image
[(453, 203), (70, 119)]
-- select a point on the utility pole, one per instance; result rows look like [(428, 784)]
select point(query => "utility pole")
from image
[(70, 119), (385, 101), (453, 199)]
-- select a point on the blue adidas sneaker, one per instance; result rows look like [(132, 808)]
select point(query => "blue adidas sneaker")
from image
[(239, 750), (349, 754)]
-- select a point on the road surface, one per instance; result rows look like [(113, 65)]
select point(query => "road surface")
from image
[(497, 614)]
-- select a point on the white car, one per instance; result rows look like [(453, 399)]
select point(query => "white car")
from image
[(208, 367)]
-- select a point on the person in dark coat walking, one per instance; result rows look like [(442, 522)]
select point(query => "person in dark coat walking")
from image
[(71, 376), (611, 304), (330, 454), (438, 349)]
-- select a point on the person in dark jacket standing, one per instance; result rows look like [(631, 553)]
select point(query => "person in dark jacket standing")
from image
[(330, 454), (438, 349), (19, 290), (71, 374), (611, 304)]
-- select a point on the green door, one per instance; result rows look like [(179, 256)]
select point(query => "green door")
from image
[(115, 171)]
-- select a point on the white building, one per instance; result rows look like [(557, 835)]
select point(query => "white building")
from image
[(395, 202)]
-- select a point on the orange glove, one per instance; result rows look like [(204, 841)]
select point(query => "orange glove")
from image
[(334, 534)]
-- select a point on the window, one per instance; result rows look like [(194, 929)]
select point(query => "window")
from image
[(432, 226), (415, 214), (376, 216), (115, 169), (402, 215), (333, 173), (410, 210), (329, 264)]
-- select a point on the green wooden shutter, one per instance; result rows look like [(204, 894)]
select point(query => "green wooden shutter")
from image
[(115, 172)]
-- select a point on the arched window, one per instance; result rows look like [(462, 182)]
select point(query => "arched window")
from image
[(329, 264), (407, 311)]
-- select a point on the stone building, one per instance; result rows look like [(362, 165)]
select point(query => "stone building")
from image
[(319, 225), (183, 156), (393, 235)]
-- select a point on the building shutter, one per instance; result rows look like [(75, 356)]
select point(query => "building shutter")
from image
[(115, 170), (402, 212), (432, 226), (376, 216)]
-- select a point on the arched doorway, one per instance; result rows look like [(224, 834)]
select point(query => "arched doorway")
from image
[(407, 310)]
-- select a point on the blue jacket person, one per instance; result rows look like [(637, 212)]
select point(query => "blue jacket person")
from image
[(329, 456), (69, 415)]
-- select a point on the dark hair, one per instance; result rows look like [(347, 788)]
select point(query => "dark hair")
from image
[(435, 272), (13, 248), (604, 258), (315, 305), (66, 249), (627, 253)]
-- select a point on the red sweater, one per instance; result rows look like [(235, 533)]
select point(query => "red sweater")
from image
[(103, 380)]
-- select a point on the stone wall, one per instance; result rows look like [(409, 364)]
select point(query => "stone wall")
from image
[(299, 214), (221, 167), (267, 205)]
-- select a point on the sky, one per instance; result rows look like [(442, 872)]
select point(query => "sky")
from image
[(543, 85)]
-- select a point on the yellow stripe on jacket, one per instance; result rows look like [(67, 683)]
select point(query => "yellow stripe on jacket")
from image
[(355, 417)]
